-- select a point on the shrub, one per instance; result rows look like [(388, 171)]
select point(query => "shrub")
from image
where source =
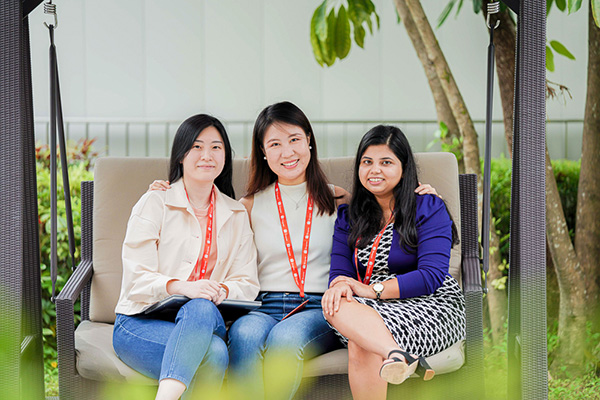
[(567, 178)]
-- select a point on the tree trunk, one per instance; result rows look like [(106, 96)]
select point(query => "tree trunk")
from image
[(496, 298), (444, 112), (587, 240), (569, 356), (457, 104)]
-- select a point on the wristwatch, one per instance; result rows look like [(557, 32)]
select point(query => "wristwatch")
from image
[(378, 289)]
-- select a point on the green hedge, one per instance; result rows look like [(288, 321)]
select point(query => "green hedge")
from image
[(567, 179)]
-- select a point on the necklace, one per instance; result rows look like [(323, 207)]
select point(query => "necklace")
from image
[(296, 202)]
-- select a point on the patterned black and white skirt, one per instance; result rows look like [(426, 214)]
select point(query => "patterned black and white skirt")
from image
[(423, 325)]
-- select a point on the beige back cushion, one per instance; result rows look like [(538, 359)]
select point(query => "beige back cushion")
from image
[(119, 182)]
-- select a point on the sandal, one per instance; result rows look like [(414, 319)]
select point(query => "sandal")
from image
[(424, 370), (396, 370)]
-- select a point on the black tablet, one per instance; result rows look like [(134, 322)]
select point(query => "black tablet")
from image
[(230, 309)]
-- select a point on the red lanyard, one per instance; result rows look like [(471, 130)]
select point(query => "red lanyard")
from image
[(371, 263), (298, 278), (202, 262)]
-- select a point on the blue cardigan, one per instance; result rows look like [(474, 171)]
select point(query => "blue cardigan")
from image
[(418, 274)]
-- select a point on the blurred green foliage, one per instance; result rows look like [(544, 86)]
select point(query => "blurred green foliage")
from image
[(566, 173)]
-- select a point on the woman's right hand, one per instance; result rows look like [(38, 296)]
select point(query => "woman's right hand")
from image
[(159, 185), (333, 296), (200, 289)]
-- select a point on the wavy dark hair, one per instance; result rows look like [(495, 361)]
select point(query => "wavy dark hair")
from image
[(262, 176), (366, 215), (183, 142)]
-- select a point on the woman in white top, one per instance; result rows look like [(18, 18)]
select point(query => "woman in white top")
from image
[(191, 240)]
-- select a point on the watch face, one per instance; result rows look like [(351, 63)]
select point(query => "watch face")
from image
[(378, 287)]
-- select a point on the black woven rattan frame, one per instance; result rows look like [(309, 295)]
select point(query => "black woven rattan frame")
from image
[(527, 351), (465, 383), (21, 364)]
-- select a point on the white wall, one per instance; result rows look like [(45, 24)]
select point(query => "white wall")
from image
[(170, 59)]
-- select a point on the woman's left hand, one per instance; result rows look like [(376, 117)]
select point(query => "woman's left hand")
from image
[(358, 288), (425, 188)]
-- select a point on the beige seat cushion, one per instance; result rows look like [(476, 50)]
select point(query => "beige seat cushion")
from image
[(96, 359)]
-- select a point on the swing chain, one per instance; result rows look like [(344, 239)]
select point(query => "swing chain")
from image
[(50, 9), (492, 8)]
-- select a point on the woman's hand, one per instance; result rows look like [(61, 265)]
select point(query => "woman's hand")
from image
[(159, 185), (358, 288), (424, 188), (201, 289), (333, 296)]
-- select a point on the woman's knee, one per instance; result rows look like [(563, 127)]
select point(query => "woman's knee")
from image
[(217, 355)]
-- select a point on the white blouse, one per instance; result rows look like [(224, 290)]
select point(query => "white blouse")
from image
[(274, 271)]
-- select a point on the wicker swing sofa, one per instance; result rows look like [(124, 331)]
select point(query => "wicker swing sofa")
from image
[(85, 354)]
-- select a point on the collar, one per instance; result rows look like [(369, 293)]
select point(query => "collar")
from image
[(225, 206)]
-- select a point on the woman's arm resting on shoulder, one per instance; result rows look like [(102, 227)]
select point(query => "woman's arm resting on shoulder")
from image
[(159, 185), (342, 196), (425, 188)]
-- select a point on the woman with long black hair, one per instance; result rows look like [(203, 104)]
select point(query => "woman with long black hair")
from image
[(390, 297)]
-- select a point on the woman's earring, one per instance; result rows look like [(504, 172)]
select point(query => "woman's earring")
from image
[(310, 147), (265, 157)]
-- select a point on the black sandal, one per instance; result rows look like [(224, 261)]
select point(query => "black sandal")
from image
[(395, 370), (398, 370)]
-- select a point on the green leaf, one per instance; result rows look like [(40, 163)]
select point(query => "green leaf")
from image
[(342, 34), (573, 5), (314, 40), (359, 36), (548, 6), (459, 6), (561, 49), (321, 22), (445, 13), (596, 11), (561, 4), (477, 6), (549, 59), (330, 56)]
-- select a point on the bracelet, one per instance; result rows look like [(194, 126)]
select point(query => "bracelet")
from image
[(224, 287)]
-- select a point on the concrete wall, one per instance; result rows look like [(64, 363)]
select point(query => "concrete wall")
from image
[(151, 59)]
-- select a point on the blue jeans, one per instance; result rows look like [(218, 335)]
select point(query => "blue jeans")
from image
[(190, 349), (261, 345)]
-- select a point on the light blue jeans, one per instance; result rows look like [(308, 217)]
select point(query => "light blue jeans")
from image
[(267, 354), (191, 349)]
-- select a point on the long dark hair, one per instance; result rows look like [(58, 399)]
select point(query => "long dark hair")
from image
[(366, 215), (184, 139), (262, 176)]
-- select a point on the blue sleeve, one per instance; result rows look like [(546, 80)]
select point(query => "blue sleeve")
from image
[(342, 255), (434, 230)]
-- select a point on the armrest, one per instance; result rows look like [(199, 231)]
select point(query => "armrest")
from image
[(75, 284), (65, 320)]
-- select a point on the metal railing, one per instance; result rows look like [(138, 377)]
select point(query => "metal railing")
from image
[(153, 137)]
